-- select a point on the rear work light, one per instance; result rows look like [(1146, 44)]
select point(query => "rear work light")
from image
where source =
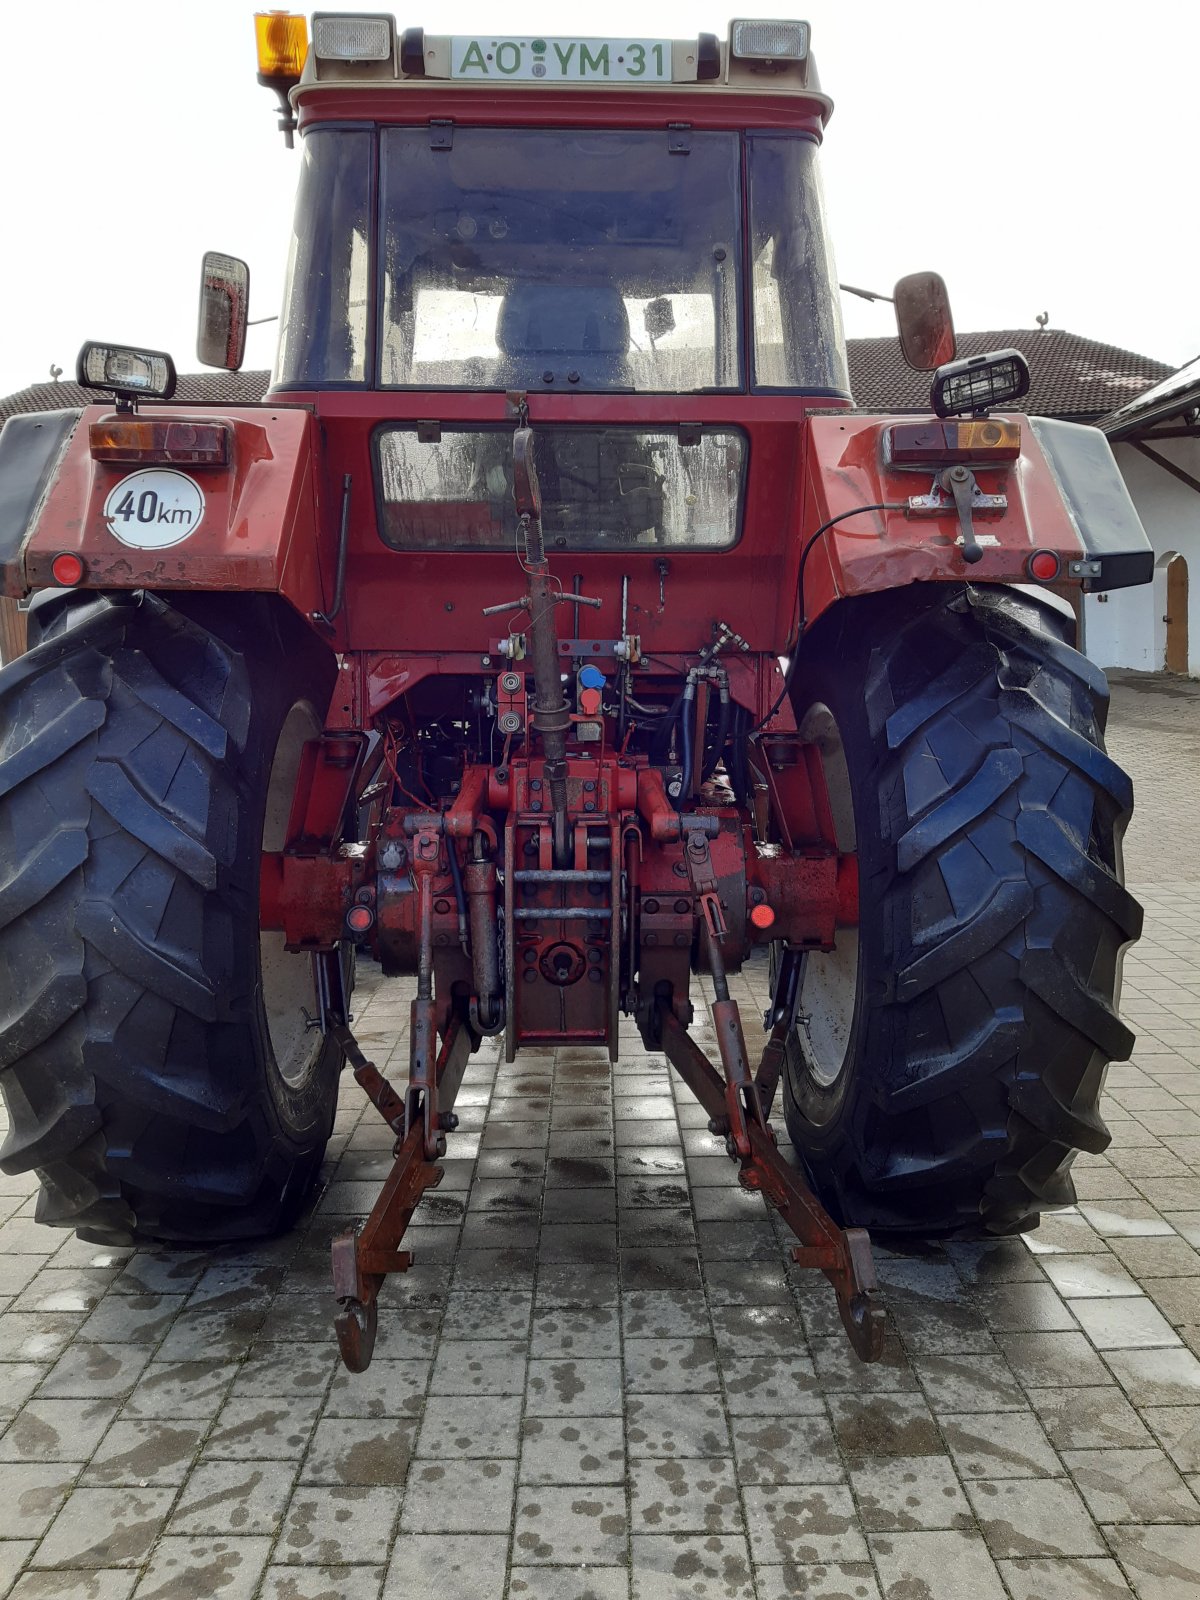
[(937, 443), (980, 382), (125, 371), (768, 41), (182, 444), (350, 38)]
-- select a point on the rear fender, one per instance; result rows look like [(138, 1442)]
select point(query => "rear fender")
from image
[(254, 524), (31, 450), (1064, 494)]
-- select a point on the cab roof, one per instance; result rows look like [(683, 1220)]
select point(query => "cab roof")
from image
[(762, 73)]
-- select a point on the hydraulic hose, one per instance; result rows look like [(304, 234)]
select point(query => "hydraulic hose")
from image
[(688, 715), (793, 662)]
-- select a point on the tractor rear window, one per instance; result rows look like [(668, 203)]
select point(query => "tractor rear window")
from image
[(602, 488), (555, 259)]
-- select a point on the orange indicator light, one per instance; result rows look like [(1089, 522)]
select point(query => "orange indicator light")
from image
[(191, 444), (936, 442)]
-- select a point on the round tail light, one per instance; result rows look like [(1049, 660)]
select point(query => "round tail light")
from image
[(67, 569), (1044, 565)]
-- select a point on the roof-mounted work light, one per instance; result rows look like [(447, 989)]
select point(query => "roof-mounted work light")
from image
[(366, 37), (979, 382), (768, 44)]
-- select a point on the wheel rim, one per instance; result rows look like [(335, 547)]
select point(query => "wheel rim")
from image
[(287, 986), (829, 983)]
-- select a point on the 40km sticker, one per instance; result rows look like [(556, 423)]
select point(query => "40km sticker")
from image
[(154, 509)]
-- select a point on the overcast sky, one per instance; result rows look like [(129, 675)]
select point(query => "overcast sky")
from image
[(1041, 156)]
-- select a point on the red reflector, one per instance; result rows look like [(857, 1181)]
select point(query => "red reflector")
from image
[(762, 916), (360, 919), (185, 444), (1044, 565), (67, 569)]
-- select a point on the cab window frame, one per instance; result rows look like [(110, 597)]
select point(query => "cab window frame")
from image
[(739, 384)]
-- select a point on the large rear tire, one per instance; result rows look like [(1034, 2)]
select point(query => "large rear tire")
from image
[(154, 1058), (953, 1051)]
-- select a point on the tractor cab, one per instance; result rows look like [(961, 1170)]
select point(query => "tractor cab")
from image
[(596, 232)]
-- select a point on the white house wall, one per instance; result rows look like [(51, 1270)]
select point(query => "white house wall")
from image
[(1126, 628)]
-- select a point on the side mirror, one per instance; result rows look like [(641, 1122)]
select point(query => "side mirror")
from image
[(924, 321), (224, 311)]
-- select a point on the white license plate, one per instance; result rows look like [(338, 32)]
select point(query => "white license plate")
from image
[(544, 60)]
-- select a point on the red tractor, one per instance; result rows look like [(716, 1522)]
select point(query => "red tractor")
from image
[(556, 631)]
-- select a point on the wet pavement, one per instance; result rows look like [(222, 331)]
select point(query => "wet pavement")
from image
[(602, 1381), (1154, 732)]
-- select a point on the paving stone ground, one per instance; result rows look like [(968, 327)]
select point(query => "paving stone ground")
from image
[(601, 1381)]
